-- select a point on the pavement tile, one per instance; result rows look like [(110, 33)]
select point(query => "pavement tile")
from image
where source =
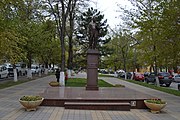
[(10, 108)]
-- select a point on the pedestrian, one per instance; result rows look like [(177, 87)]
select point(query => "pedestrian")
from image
[(66, 77), (57, 74)]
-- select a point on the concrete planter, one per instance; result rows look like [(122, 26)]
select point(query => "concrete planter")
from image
[(31, 105), (54, 84), (155, 108)]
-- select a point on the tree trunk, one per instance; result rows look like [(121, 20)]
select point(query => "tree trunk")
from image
[(46, 68), (62, 78), (71, 23), (15, 73), (70, 53), (29, 73)]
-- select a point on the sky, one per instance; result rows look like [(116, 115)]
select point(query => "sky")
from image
[(109, 8)]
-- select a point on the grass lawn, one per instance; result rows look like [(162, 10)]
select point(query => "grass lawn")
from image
[(163, 89), (81, 82)]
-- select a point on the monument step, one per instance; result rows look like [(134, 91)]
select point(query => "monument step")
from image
[(124, 106)]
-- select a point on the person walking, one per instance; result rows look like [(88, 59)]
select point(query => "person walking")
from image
[(57, 74)]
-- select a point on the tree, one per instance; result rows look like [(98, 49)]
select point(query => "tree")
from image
[(60, 11), (170, 24), (11, 40), (48, 43), (75, 9), (30, 17), (120, 45), (155, 21)]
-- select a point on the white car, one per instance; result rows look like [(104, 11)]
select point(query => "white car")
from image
[(3, 71), (176, 78), (34, 69), (9, 66), (21, 68)]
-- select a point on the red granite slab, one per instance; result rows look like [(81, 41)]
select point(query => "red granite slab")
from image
[(57, 96)]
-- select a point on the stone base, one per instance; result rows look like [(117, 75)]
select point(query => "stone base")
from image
[(92, 69), (88, 87), (105, 96)]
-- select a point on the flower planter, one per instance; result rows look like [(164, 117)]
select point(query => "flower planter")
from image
[(31, 105), (54, 84), (155, 107)]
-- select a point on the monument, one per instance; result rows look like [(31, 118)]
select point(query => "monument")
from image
[(92, 57)]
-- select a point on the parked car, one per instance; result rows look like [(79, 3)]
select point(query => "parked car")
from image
[(3, 71), (103, 71), (146, 74), (176, 78), (34, 69), (151, 78), (139, 77), (21, 68), (165, 78), (120, 73), (9, 66), (129, 75)]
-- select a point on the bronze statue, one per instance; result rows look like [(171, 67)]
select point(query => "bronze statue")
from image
[(93, 34)]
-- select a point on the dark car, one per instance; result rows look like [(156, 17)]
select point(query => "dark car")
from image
[(146, 74), (129, 75), (164, 78), (150, 78)]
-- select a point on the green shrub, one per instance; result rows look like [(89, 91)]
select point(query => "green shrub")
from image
[(156, 101), (31, 98)]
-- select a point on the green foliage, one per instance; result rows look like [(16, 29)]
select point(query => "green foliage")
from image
[(156, 101), (47, 43), (11, 40), (31, 98), (122, 57), (157, 23)]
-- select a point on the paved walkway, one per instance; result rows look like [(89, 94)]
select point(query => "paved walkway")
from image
[(10, 108)]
